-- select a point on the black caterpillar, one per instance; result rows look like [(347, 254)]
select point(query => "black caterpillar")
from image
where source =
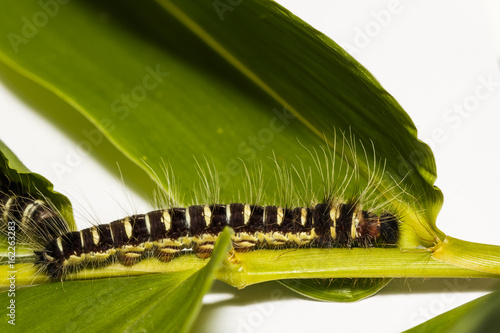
[(165, 233)]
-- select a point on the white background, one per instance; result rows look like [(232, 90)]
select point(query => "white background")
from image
[(433, 57)]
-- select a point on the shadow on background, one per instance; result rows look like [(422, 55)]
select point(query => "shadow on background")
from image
[(256, 294)]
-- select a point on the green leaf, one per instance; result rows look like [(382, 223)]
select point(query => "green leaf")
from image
[(479, 315), (337, 290), (158, 302)]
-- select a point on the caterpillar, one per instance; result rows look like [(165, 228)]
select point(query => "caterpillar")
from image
[(167, 233)]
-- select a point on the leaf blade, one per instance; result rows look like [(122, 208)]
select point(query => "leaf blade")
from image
[(337, 290), (479, 315)]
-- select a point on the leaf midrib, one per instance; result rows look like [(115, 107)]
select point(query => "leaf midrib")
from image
[(229, 57)]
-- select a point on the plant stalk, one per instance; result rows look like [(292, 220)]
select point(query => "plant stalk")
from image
[(475, 256), (450, 258)]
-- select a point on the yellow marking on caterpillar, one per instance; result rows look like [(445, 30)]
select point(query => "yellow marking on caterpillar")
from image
[(146, 221), (207, 213), (205, 238), (95, 235), (334, 215), (303, 216), (168, 242), (7, 208), (280, 215), (188, 218), (59, 244), (246, 214), (166, 219), (128, 227)]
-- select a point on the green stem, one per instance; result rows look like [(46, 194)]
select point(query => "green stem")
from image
[(450, 258), (475, 256), (27, 274), (245, 269)]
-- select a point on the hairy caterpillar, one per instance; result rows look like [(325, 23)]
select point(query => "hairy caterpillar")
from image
[(336, 221), (165, 233)]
